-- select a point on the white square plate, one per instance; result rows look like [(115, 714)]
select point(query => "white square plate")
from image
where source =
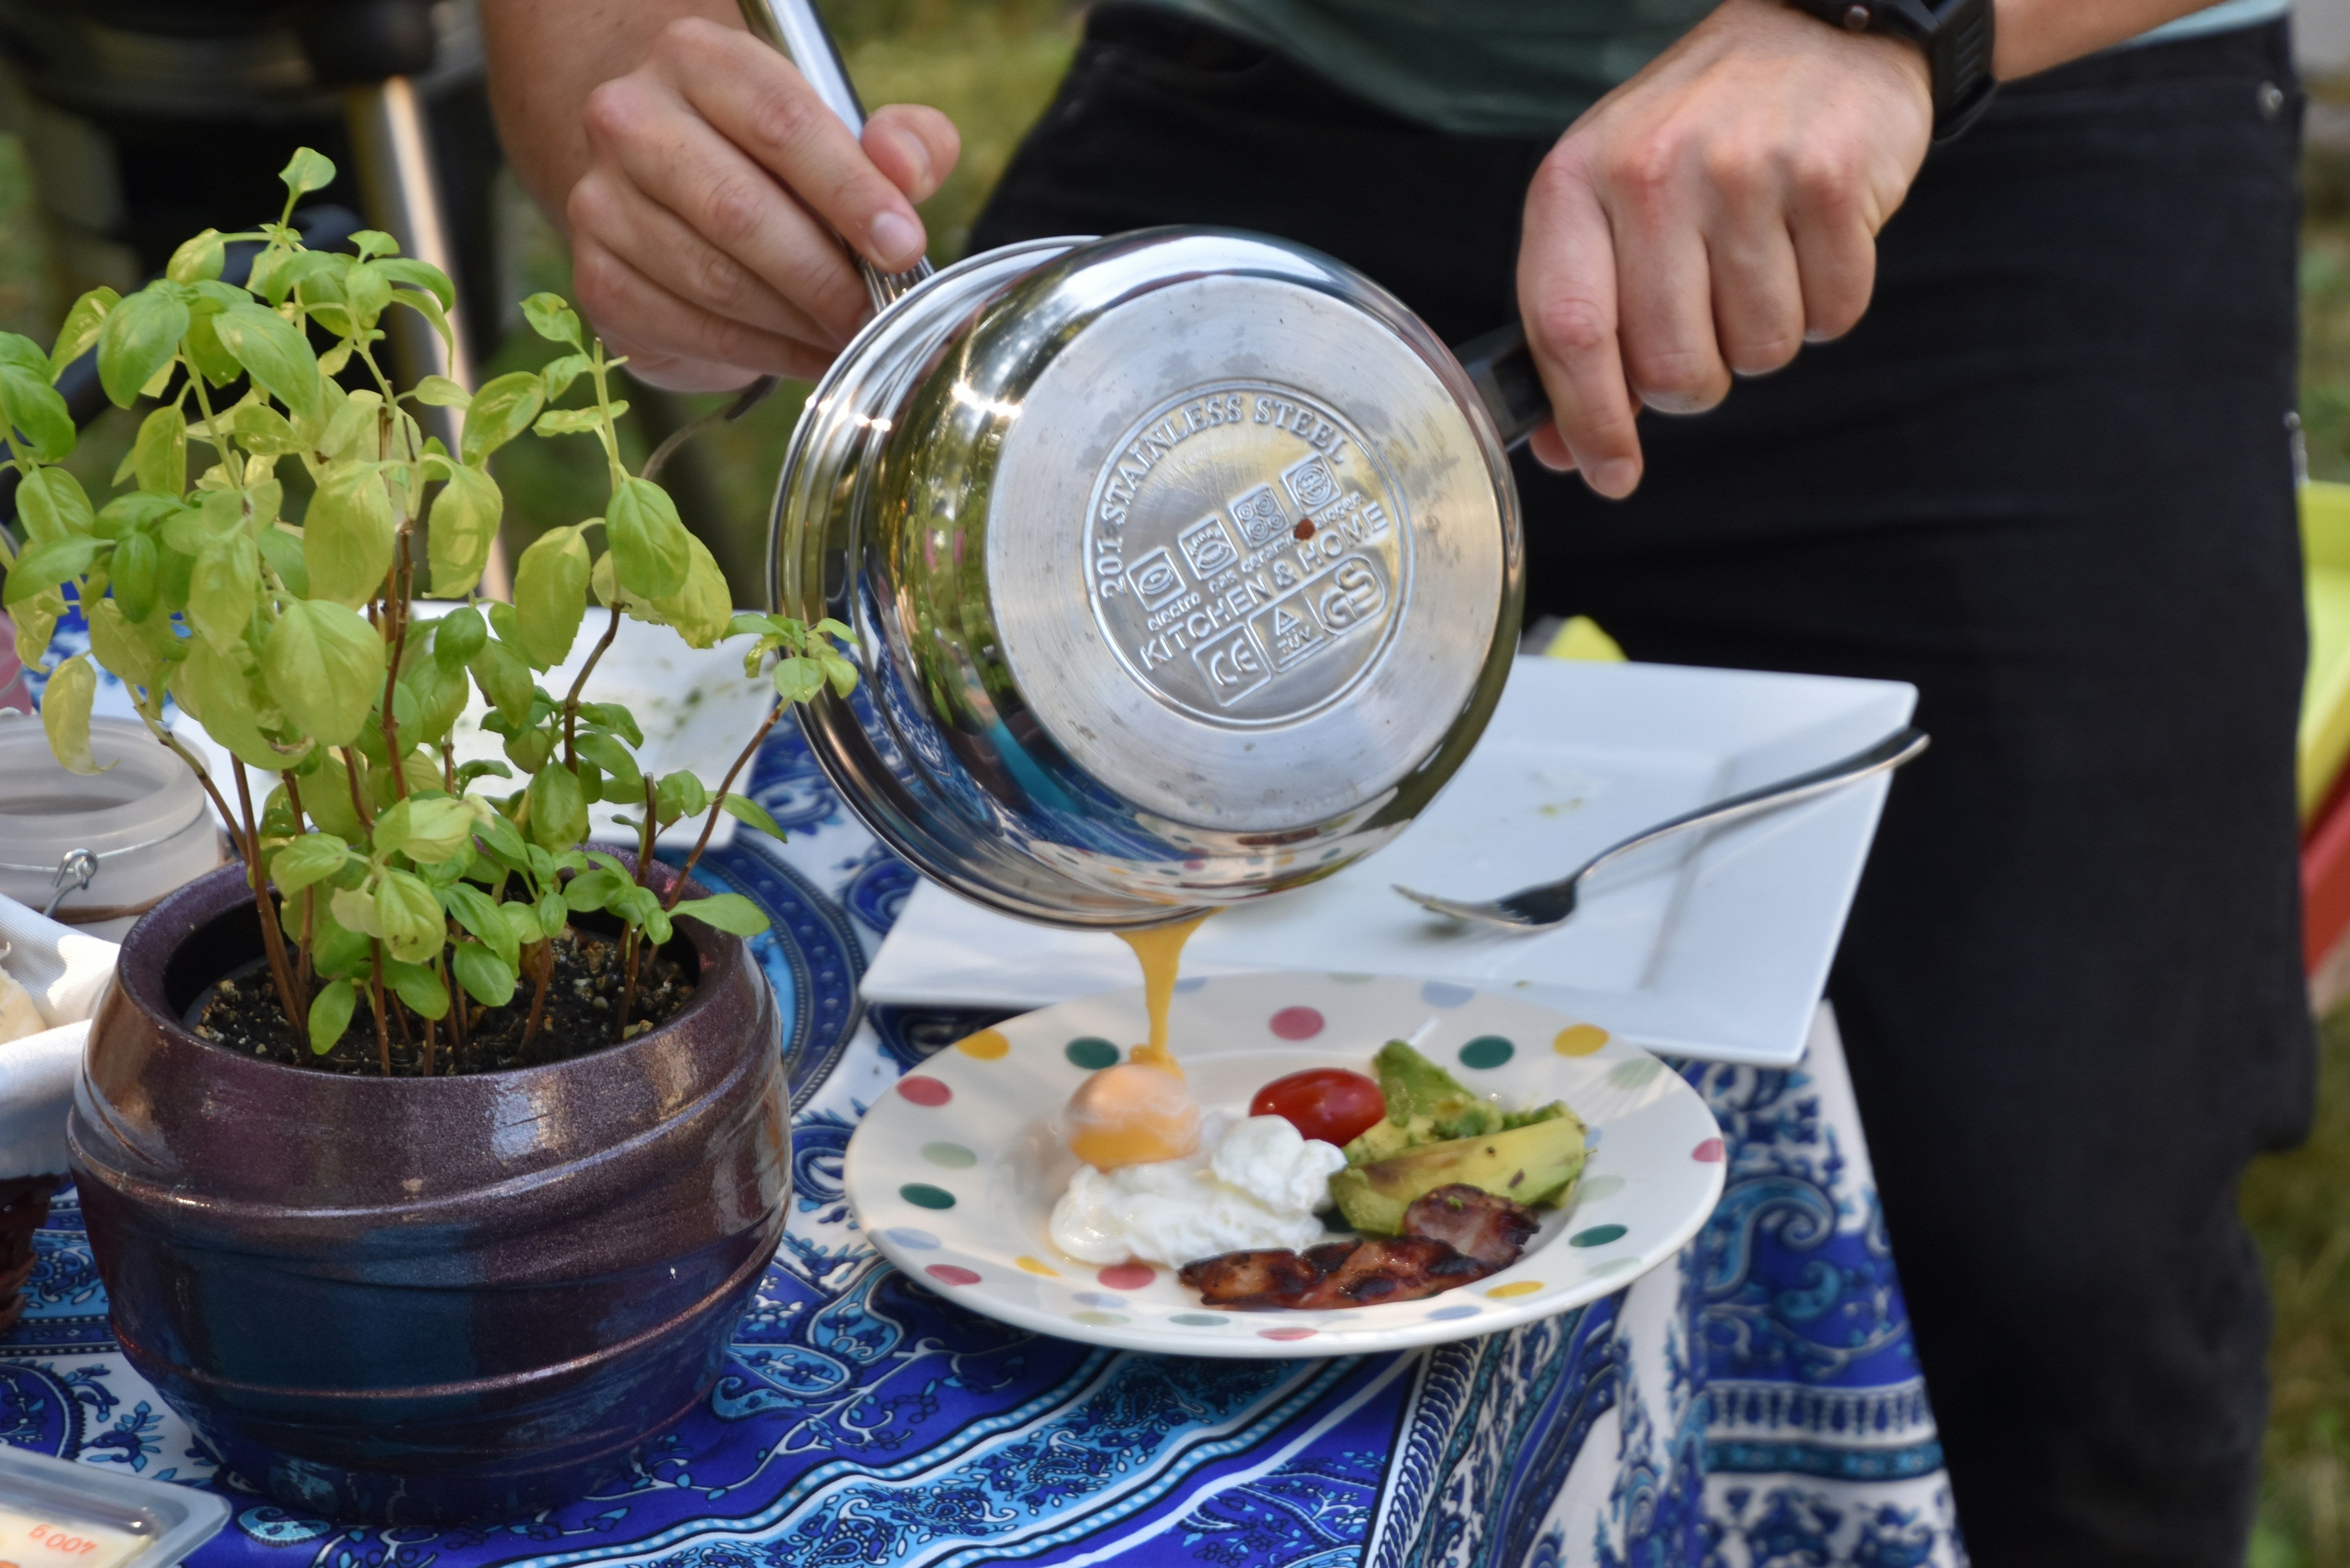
[(1716, 946)]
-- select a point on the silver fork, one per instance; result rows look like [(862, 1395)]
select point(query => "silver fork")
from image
[(1532, 909)]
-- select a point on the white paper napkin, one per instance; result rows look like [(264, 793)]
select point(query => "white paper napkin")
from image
[(65, 971), (63, 968)]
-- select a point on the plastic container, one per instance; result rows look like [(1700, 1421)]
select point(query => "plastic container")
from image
[(55, 1514), (145, 819)]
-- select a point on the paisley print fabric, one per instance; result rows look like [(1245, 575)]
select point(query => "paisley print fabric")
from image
[(1755, 1404)]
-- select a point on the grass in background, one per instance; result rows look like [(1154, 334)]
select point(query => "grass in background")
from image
[(2299, 1208), (992, 65), (2298, 1204)]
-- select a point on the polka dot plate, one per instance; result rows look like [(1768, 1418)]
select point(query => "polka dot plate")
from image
[(955, 1172)]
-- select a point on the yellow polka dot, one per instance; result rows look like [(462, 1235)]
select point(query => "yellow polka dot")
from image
[(1579, 1040), (1033, 1267), (987, 1045), (1516, 1288)]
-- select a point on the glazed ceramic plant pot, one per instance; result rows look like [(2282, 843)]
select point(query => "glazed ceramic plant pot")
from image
[(404, 1300)]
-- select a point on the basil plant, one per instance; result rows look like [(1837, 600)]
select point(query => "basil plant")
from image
[(405, 881)]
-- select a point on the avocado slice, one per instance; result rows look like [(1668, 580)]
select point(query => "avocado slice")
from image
[(1418, 1089), (1534, 1164)]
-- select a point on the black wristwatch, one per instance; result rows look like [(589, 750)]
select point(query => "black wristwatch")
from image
[(1956, 36)]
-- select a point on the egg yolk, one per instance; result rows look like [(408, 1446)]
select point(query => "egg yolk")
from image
[(1132, 1115)]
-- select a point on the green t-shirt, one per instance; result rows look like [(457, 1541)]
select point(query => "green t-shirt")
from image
[(1513, 67), (1484, 67)]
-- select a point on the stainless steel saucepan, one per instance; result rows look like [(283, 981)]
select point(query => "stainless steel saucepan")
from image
[(1185, 565)]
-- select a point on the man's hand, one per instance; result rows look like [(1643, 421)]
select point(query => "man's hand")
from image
[(702, 228), (1709, 217)]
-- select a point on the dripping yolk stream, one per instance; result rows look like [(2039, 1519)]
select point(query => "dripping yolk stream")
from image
[(1132, 1114), (1159, 950)]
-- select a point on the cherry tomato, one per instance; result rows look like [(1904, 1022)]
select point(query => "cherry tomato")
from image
[(1327, 1103)]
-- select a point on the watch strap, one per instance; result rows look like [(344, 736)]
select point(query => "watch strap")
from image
[(1957, 36)]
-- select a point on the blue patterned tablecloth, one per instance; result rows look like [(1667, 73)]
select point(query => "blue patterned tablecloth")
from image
[(1754, 1404)]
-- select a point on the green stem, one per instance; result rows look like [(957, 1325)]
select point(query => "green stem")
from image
[(571, 702), (397, 583), (273, 941), (212, 436), (609, 434), (375, 996), (352, 763), (228, 817), (718, 804), (635, 941)]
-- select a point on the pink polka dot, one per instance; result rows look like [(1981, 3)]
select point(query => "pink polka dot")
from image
[(924, 1090), (1708, 1153), (949, 1274), (1127, 1276), (1195, 866), (1296, 1023), (1284, 1333)]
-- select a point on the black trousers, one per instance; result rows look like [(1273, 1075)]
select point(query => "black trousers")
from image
[(2047, 480)]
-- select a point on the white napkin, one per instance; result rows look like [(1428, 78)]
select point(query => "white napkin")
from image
[(64, 970)]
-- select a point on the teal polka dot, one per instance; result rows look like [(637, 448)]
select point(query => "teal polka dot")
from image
[(1199, 1320), (922, 1195), (950, 1156), (1487, 1051), (1598, 1236), (1091, 1052), (1631, 1074)]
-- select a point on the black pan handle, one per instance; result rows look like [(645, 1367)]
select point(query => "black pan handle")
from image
[(1501, 368)]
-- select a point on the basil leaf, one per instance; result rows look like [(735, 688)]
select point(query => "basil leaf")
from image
[(408, 913), (348, 534), (559, 808), (159, 454), (331, 1016), (81, 327), (479, 914), (54, 505), (460, 530), (47, 565), (550, 595), (311, 859), (221, 591), (30, 404), (324, 664), (727, 911), (651, 551), (500, 411), (139, 339), (552, 319), (743, 808), (64, 714), (458, 635), (273, 352), (420, 987), (307, 172), (487, 978)]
